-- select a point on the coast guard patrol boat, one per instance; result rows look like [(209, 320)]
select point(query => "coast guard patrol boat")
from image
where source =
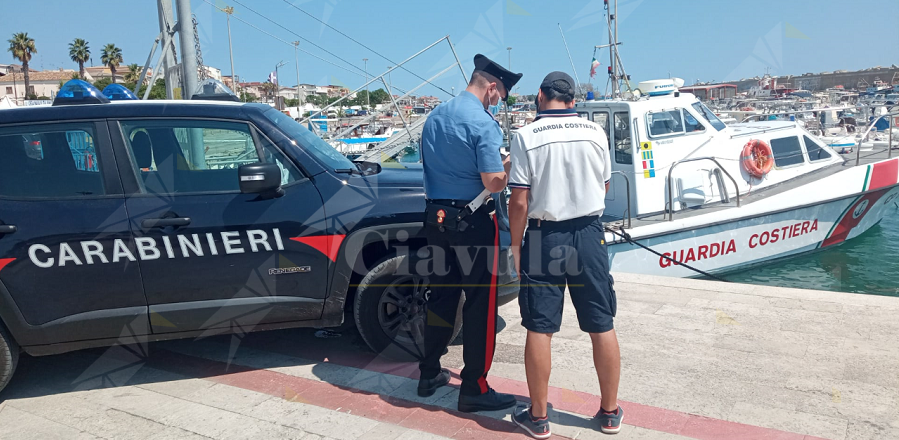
[(722, 197)]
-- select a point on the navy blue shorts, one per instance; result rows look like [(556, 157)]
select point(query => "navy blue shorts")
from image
[(570, 253)]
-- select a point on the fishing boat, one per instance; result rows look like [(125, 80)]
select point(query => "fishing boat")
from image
[(699, 194)]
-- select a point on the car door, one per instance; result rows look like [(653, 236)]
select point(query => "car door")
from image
[(211, 257), (67, 266)]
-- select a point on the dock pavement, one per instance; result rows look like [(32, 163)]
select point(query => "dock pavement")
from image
[(700, 360)]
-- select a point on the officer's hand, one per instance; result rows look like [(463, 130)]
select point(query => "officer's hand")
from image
[(507, 162), (516, 256)]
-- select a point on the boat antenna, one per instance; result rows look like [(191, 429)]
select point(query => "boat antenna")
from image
[(569, 58), (616, 67)]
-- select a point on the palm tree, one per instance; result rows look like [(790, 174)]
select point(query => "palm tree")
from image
[(22, 47), (133, 73), (112, 57), (79, 52)]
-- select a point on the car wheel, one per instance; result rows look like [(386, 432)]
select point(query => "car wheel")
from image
[(9, 357), (391, 310)]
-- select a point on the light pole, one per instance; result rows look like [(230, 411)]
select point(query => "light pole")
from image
[(510, 57), (296, 46), (15, 86), (278, 84), (367, 93), (228, 11)]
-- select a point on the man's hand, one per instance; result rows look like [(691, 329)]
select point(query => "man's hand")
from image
[(507, 163), (516, 256), (518, 221)]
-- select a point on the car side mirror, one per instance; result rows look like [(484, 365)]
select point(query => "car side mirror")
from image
[(260, 178)]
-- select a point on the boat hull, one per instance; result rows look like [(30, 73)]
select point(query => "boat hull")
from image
[(747, 242)]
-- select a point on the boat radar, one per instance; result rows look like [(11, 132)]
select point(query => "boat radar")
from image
[(660, 87)]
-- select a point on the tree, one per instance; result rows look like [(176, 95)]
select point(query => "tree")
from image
[(133, 73), (379, 97), (112, 57), (101, 83), (511, 100), (22, 48), (79, 52)]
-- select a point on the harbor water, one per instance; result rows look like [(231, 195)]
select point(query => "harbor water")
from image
[(865, 264)]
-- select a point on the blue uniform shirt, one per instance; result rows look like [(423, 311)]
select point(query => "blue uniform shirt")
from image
[(460, 141)]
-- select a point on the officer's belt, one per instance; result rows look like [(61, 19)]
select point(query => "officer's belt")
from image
[(450, 214)]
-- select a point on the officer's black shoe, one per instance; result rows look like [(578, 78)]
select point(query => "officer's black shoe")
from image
[(489, 401), (427, 387)]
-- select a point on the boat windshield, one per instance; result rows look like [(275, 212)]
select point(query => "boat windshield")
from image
[(312, 143), (706, 113)]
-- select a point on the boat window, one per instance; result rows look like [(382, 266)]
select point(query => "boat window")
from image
[(815, 151), (787, 151), (602, 118), (623, 148), (584, 115), (709, 115), (691, 124), (665, 123)]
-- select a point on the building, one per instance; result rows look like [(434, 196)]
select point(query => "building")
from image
[(42, 84)]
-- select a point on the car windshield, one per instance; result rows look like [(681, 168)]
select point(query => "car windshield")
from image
[(313, 144), (706, 113)]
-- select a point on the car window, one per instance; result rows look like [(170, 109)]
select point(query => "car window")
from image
[(185, 156), (58, 160), (815, 151), (787, 151), (311, 143)]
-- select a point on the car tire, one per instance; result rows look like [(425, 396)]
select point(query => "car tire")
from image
[(9, 357), (390, 327)]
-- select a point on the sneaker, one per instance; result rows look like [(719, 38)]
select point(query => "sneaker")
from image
[(610, 423), (489, 401), (427, 387), (537, 428)]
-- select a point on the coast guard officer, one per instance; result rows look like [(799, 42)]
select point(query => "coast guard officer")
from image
[(460, 149), (559, 178)]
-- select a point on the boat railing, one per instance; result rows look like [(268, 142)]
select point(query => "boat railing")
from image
[(627, 187), (858, 147), (722, 188)]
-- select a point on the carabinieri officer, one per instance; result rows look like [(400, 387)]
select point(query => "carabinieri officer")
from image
[(460, 149)]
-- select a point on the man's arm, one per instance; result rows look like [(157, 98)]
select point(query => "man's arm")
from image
[(496, 182), (518, 220)]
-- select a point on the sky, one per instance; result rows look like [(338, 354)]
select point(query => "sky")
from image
[(707, 40)]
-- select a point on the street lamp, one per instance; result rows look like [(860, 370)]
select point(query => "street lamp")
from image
[(296, 46), (367, 93), (228, 11), (510, 57), (15, 86), (278, 84)]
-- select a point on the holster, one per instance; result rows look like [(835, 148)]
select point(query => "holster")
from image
[(446, 218)]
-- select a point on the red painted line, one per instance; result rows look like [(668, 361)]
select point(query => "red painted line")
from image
[(421, 417), (5, 261), (884, 174), (326, 244), (578, 402)]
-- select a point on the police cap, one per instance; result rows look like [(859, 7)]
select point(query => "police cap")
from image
[(484, 64)]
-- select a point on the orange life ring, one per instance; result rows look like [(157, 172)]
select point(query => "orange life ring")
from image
[(757, 158)]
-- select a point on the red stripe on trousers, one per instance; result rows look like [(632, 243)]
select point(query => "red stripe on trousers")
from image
[(491, 310)]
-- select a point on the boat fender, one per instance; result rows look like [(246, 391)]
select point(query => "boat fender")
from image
[(757, 158)]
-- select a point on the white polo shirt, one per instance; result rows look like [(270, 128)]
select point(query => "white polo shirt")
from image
[(564, 161)]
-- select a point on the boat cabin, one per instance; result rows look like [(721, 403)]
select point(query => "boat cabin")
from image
[(672, 140)]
